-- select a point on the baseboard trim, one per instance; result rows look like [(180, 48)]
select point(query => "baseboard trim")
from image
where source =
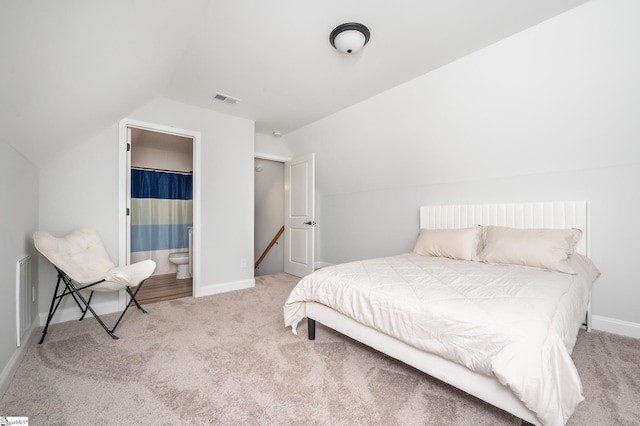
[(225, 287), (321, 264), (615, 326), (14, 362), (73, 313)]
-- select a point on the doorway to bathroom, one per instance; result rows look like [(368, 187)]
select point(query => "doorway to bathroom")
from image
[(160, 207)]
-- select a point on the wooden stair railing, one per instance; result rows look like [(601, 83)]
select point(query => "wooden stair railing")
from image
[(271, 244)]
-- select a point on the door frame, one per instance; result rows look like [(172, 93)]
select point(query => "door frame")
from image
[(124, 166), (285, 160), (274, 158)]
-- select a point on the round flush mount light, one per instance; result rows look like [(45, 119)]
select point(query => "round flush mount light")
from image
[(349, 38)]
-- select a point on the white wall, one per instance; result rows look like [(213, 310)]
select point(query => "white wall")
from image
[(80, 188), (227, 191), (163, 159), (272, 146), (19, 195), (547, 114)]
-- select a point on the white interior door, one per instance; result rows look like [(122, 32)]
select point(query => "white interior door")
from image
[(299, 221)]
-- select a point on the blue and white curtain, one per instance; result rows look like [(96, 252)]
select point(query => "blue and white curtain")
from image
[(161, 214)]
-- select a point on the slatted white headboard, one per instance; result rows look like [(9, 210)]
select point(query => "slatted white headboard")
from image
[(551, 215)]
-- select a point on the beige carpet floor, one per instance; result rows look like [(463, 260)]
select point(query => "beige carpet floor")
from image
[(227, 359)]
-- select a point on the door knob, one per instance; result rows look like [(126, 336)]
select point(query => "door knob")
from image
[(311, 222)]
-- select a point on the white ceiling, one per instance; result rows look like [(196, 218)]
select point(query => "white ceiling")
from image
[(71, 69)]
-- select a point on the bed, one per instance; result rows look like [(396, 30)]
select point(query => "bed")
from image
[(427, 308)]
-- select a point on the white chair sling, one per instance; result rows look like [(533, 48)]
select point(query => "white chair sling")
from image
[(83, 263)]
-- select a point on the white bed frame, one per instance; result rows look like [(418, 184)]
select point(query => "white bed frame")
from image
[(555, 215)]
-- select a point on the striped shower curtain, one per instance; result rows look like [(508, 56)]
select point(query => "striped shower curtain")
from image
[(161, 214)]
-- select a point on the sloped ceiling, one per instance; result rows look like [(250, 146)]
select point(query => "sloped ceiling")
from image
[(72, 68)]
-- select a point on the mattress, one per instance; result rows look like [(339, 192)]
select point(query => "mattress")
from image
[(515, 323)]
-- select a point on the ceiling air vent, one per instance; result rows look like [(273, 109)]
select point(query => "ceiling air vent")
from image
[(226, 98)]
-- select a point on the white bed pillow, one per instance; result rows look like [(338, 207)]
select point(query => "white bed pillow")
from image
[(538, 248), (461, 244)]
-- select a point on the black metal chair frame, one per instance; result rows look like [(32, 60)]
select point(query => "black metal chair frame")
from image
[(71, 289)]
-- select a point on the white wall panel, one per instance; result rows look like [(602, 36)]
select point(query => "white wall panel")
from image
[(19, 193)]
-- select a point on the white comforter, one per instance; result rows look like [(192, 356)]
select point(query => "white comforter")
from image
[(517, 324)]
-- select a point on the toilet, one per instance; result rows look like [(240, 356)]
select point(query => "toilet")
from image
[(181, 259)]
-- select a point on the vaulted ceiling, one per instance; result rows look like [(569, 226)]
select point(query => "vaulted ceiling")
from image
[(72, 68)]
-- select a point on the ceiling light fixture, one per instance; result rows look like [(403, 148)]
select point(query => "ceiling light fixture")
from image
[(349, 38)]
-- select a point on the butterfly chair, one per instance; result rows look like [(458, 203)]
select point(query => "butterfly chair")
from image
[(83, 263)]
